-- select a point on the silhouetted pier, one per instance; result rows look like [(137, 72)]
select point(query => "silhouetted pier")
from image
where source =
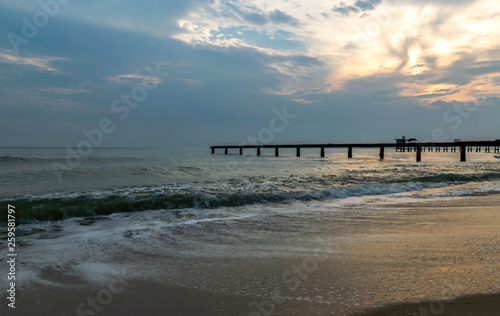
[(418, 147)]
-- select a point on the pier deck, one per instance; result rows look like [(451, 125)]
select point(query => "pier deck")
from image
[(418, 147)]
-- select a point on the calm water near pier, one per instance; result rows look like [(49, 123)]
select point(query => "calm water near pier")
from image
[(49, 186)]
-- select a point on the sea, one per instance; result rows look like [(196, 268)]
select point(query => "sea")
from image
[(82, 217), (51, 184)]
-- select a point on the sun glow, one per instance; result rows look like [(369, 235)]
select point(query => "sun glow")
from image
[(417, 42)]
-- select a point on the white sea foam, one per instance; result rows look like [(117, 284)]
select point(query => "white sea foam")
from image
[(205, 220)]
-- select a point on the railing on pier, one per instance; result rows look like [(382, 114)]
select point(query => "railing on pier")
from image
[(418, 148)]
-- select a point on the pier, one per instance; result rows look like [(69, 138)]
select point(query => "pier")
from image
[(418, 147)]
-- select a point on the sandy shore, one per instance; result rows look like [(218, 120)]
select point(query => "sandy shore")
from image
[(148, 298), (431, 257), (471, 305)]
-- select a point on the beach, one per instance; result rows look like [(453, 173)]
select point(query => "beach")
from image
[(252, 158), (373, 256)]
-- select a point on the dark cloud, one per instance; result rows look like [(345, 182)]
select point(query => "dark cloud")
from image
[(255, 16), (279, 17), (345, 9), (358, 6), (367, 5), (465, 70), (228, 94), (226, 101), (439, 93), (483, 104)]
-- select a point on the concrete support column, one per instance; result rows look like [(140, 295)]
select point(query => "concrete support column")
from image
[(382, 149), (463, 154), (349, 152)]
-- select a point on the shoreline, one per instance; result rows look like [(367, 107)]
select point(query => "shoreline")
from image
[(382, 259), (149, 298), (469, 305)]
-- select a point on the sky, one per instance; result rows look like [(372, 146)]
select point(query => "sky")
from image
[(197, 73)]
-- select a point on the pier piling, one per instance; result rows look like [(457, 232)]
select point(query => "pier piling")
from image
[(463, 146)]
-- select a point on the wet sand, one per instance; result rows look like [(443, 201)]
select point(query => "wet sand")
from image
[(471, 305), (146, 298), (432, 257)]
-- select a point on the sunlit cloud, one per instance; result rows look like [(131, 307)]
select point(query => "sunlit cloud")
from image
[(61, 90), (303, 101), (193, 82), (61, 105), (418, 41), (50, 99), (133, 78), (41, 63)]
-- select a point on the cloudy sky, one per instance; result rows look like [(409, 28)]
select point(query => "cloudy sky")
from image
[(191, 73)]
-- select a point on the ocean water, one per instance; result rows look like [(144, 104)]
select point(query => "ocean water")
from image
[(48, 184), (168, 214)]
